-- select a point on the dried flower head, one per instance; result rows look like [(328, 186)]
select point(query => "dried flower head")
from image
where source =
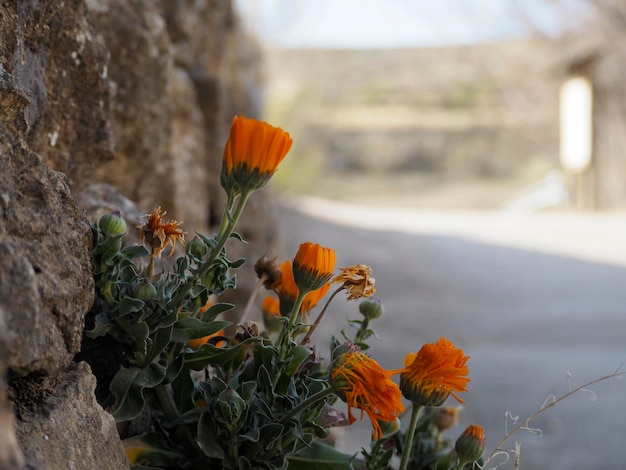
[(269, 270), (446, 417), (252, 154), (357, 280), (313, 266), (245, 330), (362, 383), (158, 234), (435, 372)]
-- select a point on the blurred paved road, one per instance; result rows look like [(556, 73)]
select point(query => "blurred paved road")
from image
[(528, 297)]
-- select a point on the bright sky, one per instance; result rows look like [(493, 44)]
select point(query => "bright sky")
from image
[(365, 24)]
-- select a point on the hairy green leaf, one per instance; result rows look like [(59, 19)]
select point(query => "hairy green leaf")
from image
[(135, 251), (320, 457), (215, 310), (299, 354), (160, 339), (207, 354), (128, 387), (207, 438), (189, 328), (130, 305)]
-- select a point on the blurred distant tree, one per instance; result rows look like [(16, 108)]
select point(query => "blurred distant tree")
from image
[(594, 35)]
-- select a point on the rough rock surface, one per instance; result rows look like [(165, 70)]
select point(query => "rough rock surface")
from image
[(46, 284), (53, 87), (10, 453), (67, 415), (138, 94)]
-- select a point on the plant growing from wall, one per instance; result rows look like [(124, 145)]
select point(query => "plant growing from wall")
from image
[(194, 388)]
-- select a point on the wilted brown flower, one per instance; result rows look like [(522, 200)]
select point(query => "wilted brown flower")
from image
[(356, 279), (246, 330), (446, 417), (158, 233), (269, 268)]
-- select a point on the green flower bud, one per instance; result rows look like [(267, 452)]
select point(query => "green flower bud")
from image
[(229, 406), (145, 291), (371, 308), (471, 444), (345, 348), (112, 224)]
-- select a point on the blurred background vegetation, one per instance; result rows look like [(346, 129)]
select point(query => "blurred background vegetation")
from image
[(463, 120), (447, 126)]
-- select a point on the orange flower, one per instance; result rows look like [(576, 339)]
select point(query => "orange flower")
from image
[(362, 383), (196, 343), (287, 290), (313, 266), (136, 450), (271, 307), (252, 153), (356, 279), (435, 372), (159, 233), (207, 305), (313, 298)]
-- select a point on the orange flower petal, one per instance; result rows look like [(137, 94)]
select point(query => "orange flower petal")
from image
[(436, 371), (362, 383), (252, 153)]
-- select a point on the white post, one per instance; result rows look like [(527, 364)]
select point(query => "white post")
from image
[(576, 107)]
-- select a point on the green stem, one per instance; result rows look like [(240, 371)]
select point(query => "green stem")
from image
[(307, 337), (285, 334), (461, 464), (233, 452), (308, 402), (223, 236), (226, 218), (170, 410), (295, 312), (408, 443), (167, 402), (360, 335), (150, 270)]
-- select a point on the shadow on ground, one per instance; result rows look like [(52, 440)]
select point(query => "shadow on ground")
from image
[(526, 319)]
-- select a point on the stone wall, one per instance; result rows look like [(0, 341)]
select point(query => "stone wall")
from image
[(103, 103)]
